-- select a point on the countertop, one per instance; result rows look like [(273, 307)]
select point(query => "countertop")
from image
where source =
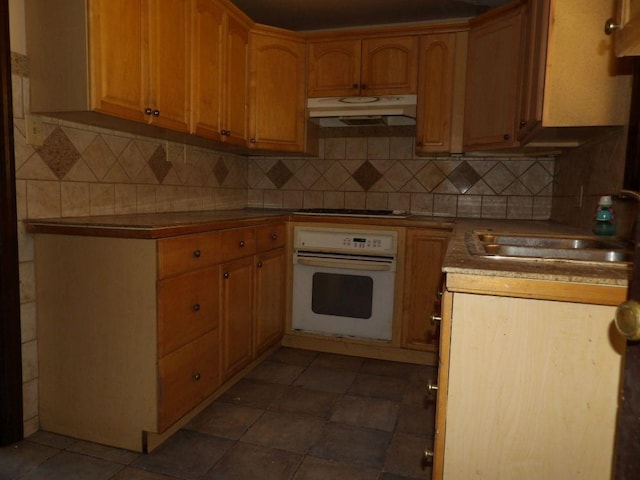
[(458, 259)]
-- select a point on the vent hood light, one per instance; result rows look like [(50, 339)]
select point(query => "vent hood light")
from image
[(385, 110)]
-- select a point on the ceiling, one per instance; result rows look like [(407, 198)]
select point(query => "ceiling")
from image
[(304, 15)]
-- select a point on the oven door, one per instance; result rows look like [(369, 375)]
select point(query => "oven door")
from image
[(343, 295)]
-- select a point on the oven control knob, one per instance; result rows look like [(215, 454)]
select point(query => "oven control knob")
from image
[(627, 319)]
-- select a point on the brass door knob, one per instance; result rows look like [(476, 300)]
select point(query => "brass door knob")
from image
[(627, 319)]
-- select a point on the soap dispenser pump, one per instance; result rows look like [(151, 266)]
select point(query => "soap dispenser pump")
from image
[(604, 217)]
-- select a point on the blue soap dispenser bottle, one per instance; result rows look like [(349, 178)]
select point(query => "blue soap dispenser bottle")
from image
[(604, 217)]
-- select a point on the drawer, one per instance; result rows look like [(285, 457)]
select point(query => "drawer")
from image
[(237, 242), (187, 252), (271, 236), (187, 308), (186, 377)]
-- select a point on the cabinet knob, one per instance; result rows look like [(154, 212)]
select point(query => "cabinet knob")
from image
[(196, 307), (435, 319), (363, 86), (507, 136), (156, 113), (428, 454), (627, 319), (253, 140), (522, 123), (431, 387), (148, 111), (241, 243), (196, 377), (355, 86), (259, 264), (225, 275), (611, 26), (197, 253)]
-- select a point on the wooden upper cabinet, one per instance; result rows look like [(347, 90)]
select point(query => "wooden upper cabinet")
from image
[(277, 91), (626, 30), (373, 66), (493, 73)]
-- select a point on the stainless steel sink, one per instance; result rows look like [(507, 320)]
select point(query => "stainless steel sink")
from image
[(550, 247)]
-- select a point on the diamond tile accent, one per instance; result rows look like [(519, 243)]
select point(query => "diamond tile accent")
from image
[(58, 153), (367, 175), (430, 176), (499, 178), (536, 178), (159, 165), (221, 171), (464, 177), (279, 174)]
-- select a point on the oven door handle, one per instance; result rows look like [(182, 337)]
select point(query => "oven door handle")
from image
[(349, 265)]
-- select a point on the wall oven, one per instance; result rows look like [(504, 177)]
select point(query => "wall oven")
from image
[(344, 281)]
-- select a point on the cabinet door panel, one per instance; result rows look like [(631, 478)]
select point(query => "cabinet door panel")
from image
[(119, 80), (390, 65), (187, 252), (334, 68), (269, 299), (270, 236), (236, 81), (170, 62), (237, 242)]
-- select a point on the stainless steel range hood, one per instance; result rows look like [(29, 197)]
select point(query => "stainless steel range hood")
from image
[(388, 110)]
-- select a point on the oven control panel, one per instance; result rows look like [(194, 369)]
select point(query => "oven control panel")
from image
[(346, 240)]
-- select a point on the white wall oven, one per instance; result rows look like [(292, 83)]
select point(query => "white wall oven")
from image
[(344, 281)]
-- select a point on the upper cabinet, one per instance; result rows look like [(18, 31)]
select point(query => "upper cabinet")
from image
[(625, 27), (372, 66), (220, 71), (277, 90), (493, 72)]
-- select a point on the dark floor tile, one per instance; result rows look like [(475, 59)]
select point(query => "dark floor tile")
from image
[(416, 420), (49, 439), (323, 469), (422, 375), (225, 420), (389, 369), (367, 412), (326, 379), (393, 476), (19, 459), (346, 443), (186, 454), (342, 362), (302, 400), (378, 386), (291, 432), (72, 466), (115, 455), (246, 461), (275, 372), (405, 456), (294, 356), (418, 396), (253, 393), (130, 473)]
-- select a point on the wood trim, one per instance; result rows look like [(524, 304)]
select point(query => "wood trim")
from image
[(388, 31), (11, 426), (596, 294)]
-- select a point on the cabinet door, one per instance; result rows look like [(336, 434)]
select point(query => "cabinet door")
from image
[(277, 93), (492, 80), (435, 105), (627, 37), (236, 81), (119, 70), (269, 299), (422, 282), (334, 68), (389, 66), (170, 63), (236, 315)]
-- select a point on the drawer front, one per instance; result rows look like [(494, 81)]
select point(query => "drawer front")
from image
[(188, 376), (187, 252), (237, 242), (269, 237), (187, 308)]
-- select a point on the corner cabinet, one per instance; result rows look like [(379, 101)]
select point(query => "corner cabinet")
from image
[(277, 98), (135, 336), (527, 387)]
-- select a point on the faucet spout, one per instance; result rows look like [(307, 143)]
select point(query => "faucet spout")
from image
[(629, 194)]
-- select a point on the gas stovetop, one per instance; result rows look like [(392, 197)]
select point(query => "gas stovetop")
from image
[(352, 212)]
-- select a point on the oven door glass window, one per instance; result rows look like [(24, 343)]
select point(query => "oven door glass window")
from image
[(342, 295)]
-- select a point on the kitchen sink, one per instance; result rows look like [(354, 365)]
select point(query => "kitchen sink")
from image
[(582, 248)]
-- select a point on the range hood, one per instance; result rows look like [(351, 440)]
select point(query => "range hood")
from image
[(388, 110)]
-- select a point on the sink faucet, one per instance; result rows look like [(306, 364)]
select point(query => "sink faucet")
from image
[(624, 194)]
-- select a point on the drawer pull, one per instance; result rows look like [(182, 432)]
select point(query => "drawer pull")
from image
[(197, 253), (435, 319), (428, 455), (196, 307), (225, 275), (241, 243), (274, 236), (196, 377), (431, 387), (259, 264)]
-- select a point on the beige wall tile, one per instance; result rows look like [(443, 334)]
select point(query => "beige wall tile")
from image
[(43, 199), (102, 198), (29, 360), (30, 399), (27, 282), (75, 199), (28, 328), (469, 206)]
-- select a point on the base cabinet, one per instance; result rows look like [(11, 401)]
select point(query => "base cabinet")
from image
[(529, 389)]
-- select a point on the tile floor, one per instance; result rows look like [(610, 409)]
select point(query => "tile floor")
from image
[(299, 415)]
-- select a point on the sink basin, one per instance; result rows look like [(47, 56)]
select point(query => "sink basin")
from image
[(550, 247)]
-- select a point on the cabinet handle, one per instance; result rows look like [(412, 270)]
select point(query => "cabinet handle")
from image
[(440, 294), (156, 113), (431, 387), (259, 264), (225, 275), (197, 253), (274, 236), (241, 244), (148, 111), (355, 86), (363, 86), (522, 123), (611, 26), (507, 136), (196, 377), (196, 307), (253, 140), (435, 318)]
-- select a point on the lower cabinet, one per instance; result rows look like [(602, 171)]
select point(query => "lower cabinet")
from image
[(269, 299)]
